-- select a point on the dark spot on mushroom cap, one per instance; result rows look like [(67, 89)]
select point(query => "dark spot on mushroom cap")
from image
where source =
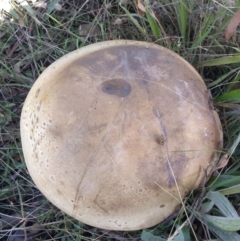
[(117, 87), (159, 139)]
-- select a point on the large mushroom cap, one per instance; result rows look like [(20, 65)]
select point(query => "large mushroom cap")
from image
[(115, 134)]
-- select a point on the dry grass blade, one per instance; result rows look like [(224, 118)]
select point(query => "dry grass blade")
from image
[(232, 25)]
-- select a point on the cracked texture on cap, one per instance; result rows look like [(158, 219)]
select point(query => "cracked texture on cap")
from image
[(115, 134)]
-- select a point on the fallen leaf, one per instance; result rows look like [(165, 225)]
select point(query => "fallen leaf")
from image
[(140, 7), (232, 25), (222, 163)]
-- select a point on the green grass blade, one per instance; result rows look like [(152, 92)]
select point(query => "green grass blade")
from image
[(222, 234), (134, 21), (223, 77), (204, 32), (10, 71), (179, 236), (147, 236), (62, 25), (153, 24), (186, 234), (233, 96), (225, 223), (207, 206), (223, 204), (234, 145), (182, 12), (235, 81), (223, 181), (183, 17), (207, 26), (231, 190), (221, 61)]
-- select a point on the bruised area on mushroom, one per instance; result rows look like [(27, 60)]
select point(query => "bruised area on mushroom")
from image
[(118, 87), (125, 135)]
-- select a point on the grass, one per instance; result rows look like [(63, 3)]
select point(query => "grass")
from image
[(33, 35)]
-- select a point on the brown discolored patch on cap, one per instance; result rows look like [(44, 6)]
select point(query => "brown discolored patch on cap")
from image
[(117, 87)]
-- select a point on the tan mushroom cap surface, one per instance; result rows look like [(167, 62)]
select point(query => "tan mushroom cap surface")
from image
[(115, 134)]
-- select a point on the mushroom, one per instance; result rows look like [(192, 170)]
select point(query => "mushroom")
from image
[(117, 133)]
